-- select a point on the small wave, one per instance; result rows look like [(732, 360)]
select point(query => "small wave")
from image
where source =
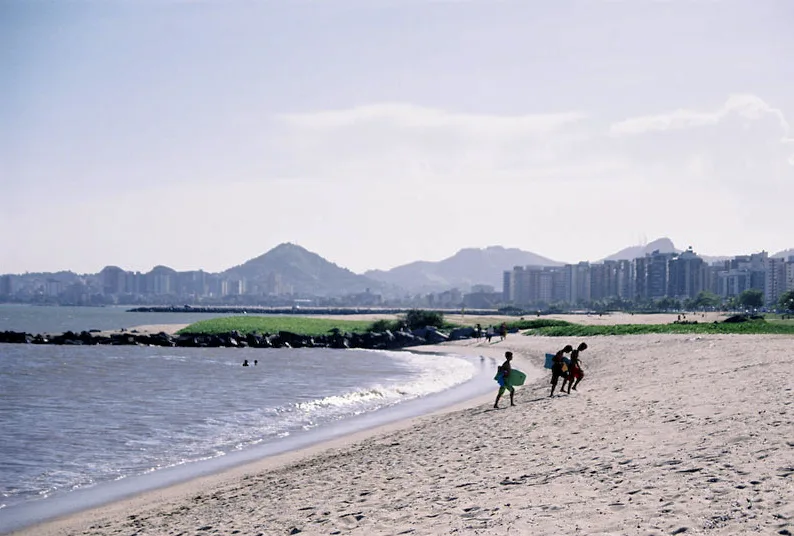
[(435, 374)]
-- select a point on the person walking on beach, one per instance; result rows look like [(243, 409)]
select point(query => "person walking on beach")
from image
[(489, 333), (557, 370), (503, 331), (575, 370), (503, 375)]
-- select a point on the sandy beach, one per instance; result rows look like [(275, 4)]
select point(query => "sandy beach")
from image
[(669, 434)]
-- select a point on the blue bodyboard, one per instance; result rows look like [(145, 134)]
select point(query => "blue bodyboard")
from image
[(549, 361)]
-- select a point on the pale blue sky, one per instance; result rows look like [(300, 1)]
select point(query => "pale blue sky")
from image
[(201, 134)]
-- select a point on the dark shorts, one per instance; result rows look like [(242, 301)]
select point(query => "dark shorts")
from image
[(557, 375)]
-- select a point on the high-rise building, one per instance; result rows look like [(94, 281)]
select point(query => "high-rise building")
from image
[(657, 274), (625, 279), (560, 291), (508, 287), (733, 282), (6, 285), (640, 265), (775, 284), (578, 276), (521, 285), (598, 281), (526, 285), (687, 275), (113, 280)]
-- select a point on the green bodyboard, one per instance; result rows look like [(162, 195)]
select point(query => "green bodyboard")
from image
[(516, 377)]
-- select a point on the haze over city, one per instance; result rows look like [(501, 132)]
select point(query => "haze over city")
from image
[(198, 135)]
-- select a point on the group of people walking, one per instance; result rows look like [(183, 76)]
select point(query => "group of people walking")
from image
[(490, 332), (570, 370)]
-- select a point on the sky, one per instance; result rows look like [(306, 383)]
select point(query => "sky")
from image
[(200, 134)]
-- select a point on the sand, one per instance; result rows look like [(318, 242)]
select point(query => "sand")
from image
[(667, 434)]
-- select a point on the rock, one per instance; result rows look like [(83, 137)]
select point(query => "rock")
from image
[(436, 337), (462, 333)]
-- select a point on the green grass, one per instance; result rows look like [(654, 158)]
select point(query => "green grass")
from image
[(273, 324), (778, 319), (757, 327), (537, 323)]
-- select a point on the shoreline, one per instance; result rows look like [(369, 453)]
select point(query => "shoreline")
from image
[(264, 457)]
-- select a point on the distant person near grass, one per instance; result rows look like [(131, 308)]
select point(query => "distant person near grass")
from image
[(503, 375)]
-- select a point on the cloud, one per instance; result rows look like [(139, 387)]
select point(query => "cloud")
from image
[(400, 141), (408, 116), (746, 140), (746, 107)]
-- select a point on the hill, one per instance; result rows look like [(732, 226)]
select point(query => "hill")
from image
[(306, 272), (465, 268), (664, 245)]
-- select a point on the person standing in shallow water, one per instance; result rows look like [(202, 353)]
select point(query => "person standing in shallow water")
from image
[(503, 374)]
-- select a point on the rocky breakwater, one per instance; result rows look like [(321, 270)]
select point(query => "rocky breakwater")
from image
[(385, 340)]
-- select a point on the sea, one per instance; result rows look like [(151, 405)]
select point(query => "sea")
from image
[(81, 426)]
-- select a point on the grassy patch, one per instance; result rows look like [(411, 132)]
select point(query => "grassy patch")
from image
[(537, 323), (273, 324), (778, 319), (756, 327)]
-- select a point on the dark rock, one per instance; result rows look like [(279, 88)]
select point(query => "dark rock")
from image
[(436, 337), (462, 333)]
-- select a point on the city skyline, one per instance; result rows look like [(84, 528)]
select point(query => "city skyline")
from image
[(289, 275), (198, 134), (784, 253)]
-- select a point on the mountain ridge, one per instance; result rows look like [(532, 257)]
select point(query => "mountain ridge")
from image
[(467, 267), (306, 272)]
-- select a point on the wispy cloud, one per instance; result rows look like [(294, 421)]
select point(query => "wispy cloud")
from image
[(409, 116), (747, 107)]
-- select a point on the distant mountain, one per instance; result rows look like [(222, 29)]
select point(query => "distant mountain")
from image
[(663, 245), (785, 254), (306, 272), (467, 267)]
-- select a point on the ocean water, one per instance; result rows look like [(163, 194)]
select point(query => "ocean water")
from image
[(81, 425), (45, 319)]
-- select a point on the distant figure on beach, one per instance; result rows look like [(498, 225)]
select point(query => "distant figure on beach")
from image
[(479, 332), (575, 370), (503, 331), (557, 367), (245, 363), (489, 333), (256, 362), (504, 376)]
